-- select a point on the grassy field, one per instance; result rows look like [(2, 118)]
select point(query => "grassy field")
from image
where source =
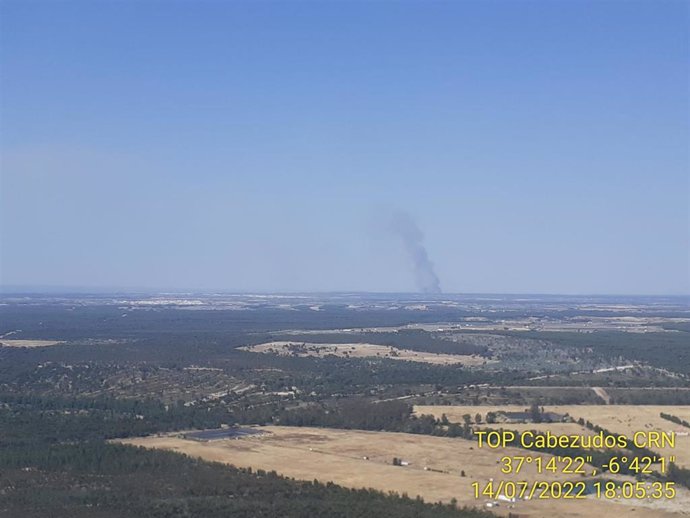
[(621, 419), (361, 350), (364, 459)]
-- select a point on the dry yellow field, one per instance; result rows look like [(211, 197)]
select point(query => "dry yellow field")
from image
[(361, 350), (364, 459), (27, 343), (620, 419)]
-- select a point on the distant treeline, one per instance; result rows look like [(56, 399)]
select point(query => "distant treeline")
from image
[(360, 414), (677, 326), (75, 322), (675, 419)]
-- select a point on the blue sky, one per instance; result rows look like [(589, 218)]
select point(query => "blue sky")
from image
[(541, 146)]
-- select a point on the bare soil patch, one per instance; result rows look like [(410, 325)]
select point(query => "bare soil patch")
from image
[(362, 350), (27, 343)]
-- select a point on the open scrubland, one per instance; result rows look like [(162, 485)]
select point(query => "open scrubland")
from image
[(362, 350)]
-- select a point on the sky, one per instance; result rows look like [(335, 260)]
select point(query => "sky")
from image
[(538, 146)]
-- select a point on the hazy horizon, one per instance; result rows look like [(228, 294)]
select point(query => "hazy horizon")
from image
[(8, 290), (530, 147)]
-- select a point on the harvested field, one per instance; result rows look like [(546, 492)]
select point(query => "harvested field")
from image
[(364, 459), (620, 419), (361, 350)]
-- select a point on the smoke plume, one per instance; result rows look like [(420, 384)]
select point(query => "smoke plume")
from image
[(412, 237)]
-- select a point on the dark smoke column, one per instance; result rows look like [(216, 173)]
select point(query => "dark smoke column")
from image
[(413, 239)]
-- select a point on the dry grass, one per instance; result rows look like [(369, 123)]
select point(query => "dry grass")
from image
[(620, 419), (338, 456), (361, 350)]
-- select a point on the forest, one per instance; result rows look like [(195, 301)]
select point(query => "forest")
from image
[(97, 479)]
